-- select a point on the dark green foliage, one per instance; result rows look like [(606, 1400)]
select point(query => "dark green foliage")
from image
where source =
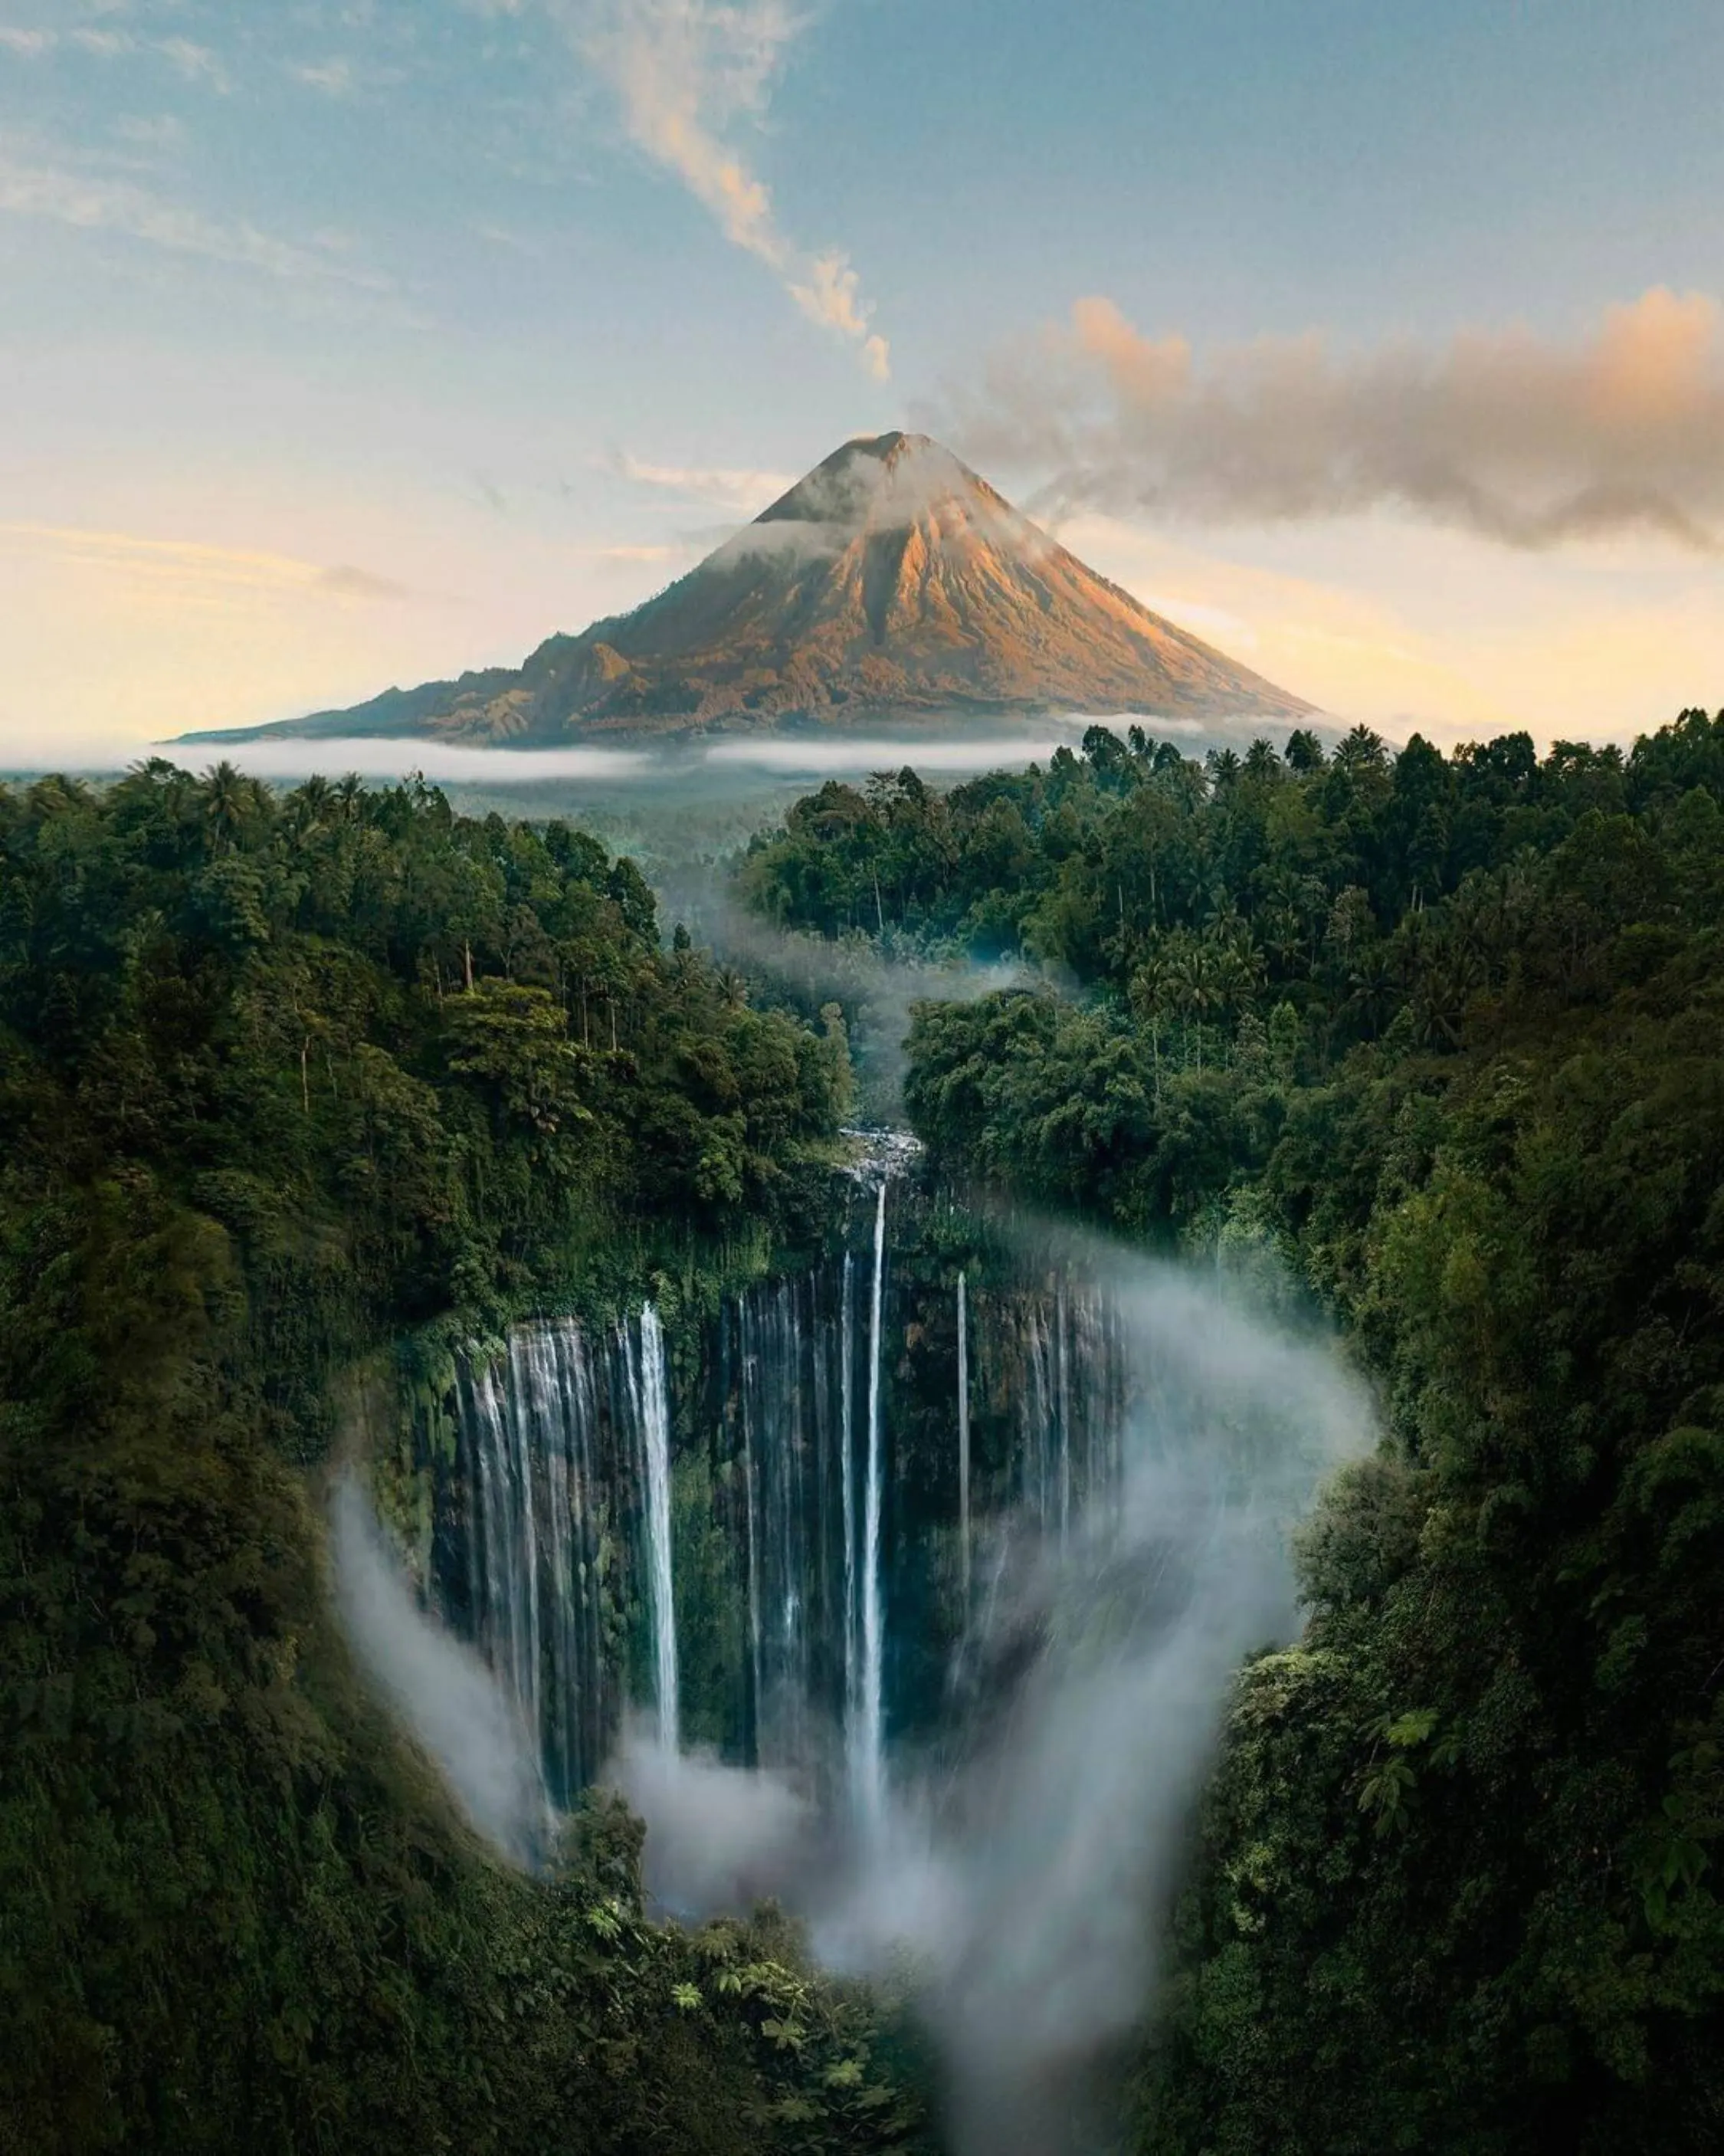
[(1447, 1034), (282, 1082)]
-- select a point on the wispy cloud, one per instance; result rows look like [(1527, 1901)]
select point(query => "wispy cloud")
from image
[(830, 292), (692, 78), (159, 130), (190, 567), (630, 556), (344, 581), (334, 78), (509, 242), (91, 201), (1503, 434), (743, 492), (26, 44), (196, 64), (104, 44)]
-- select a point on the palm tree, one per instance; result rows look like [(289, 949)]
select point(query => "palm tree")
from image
[(311, 803), (229, 800), (1152, 992)]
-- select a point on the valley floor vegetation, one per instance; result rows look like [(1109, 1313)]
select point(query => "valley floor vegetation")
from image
[(1441, 1037)]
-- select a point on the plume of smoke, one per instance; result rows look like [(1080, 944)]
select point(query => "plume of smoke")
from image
[(440, 1688), (1521, 440)]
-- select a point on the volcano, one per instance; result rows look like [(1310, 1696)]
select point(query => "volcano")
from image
[(891, 583)]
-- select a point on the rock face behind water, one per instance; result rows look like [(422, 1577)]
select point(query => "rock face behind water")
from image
[(891, 583)]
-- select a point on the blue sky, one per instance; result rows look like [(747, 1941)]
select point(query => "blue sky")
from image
[(353, 343)]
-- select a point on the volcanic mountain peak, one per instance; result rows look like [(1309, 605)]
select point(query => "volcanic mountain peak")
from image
[(881, 482), (890, 582)]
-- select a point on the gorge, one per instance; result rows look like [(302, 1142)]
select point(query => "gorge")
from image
[(910, 1603)]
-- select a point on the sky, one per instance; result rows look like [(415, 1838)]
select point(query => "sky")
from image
[(353, 342)]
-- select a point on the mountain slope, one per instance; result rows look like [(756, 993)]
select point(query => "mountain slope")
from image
[(890, 581)]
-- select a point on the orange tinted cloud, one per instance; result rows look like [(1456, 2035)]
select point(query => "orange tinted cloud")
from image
[(1527, 441)]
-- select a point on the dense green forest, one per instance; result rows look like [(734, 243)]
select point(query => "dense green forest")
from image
[(1442, 1034), (296, 1089), (287, 1084)]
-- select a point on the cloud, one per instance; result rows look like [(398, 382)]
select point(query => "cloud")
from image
[(633, 554), (103, 44), (511, 242), (285, 756), (196, 64), (160, 131), (91, 202), (193, 567), (27, 44), (691, 75), (743, 491), (1498, 433), (333, 77), (344, 581), (854, 754)]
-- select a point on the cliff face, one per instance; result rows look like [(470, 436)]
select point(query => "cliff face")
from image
[(890, 581)]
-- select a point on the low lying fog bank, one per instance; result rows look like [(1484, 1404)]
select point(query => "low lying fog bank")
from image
[(934, 749)]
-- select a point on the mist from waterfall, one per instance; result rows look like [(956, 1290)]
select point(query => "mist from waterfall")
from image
[(454, 1704), (917, 1610), (1028, 1880)]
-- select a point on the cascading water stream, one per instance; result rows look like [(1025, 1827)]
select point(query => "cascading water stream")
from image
[(655, 1431), (847, 1440), (868, 1756), (964, 1438)]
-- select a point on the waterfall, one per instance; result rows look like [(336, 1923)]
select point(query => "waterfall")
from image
[(563, 1460), (731, 1566), (655, 1431), (847, 1440), (528, 1447), (783, 1419), (868, 1756), (963, 1441), (750, 1519), (1062, 1408)]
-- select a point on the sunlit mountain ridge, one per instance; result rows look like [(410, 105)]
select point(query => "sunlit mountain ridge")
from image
[(890, 582)]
